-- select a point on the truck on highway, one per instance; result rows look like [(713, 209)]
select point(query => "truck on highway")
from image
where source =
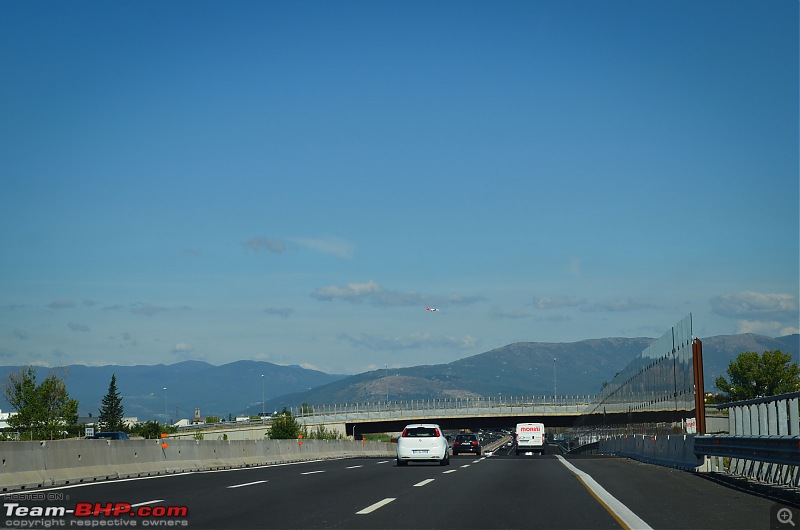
[(529, 437)]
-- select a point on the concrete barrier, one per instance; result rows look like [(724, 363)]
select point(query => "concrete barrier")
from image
[(27, 465), (675, 451)]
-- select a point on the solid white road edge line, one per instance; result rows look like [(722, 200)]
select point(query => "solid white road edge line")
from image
[(370, 509), (619, 510)]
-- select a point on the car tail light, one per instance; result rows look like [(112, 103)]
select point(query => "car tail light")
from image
[(436, 433), (474, 443), (405, 433)]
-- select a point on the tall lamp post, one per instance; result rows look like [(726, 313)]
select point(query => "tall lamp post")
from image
[(262, 396), (555, 393), (386, 368), (166, 413)]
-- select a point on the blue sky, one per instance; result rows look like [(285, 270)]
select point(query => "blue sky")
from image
[(295, 181)]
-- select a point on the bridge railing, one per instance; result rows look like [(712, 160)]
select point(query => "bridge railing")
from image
[(422, 408)]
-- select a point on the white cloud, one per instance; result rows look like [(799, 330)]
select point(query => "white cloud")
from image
[(749, 305), (757, 326), (184, 351)]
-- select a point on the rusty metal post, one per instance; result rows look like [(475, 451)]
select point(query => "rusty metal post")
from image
[(699, 388)]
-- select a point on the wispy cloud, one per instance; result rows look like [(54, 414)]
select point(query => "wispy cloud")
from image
[(283, 312), (147, 310), (352, 292), (61, 304), (510, 315), (413, 341), (604, 306), (558, 302), (373, 293), (264, 244), (617, 305), (333, 246)]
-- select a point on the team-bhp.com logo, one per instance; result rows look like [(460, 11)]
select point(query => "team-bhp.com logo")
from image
[(93, 514)]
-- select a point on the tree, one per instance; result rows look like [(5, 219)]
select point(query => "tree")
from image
[(112, 411), (285, 427), (753, 375), (148, 429), (45, 410)]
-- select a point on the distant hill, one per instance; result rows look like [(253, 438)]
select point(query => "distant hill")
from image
[(523, 368), (216, 390), (526, 368)]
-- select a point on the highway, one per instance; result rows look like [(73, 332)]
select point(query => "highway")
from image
[(501, 491)]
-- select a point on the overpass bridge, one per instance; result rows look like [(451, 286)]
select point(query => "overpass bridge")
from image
[(356, 419)]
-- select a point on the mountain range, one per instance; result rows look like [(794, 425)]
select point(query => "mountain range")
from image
[(250, 387)]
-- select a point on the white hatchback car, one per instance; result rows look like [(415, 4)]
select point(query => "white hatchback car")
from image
[(422, 442)]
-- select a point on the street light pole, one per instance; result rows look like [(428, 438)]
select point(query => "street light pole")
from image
[(386, 373), (262, 397), (166, 413), (555, 393)]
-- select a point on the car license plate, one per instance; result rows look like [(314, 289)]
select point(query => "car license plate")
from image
[(420, 451)]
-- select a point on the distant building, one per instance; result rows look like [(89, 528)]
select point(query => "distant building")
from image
[(198, 420), (4, 416)]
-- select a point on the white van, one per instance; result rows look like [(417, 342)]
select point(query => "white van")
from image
[(529, 437)]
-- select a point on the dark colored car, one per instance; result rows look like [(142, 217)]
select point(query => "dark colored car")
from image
[(466, 443), (113, 435)]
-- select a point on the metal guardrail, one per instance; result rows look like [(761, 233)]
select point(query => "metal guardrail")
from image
[(773, 449), (764, 440)]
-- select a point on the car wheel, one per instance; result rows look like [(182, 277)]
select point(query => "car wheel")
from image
[(444, 461), (478, 453), (401, 463)]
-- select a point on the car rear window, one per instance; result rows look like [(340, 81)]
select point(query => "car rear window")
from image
[(465, 438), (420, 432)]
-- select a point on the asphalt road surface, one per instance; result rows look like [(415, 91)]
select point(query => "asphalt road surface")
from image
[(499, 491)]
